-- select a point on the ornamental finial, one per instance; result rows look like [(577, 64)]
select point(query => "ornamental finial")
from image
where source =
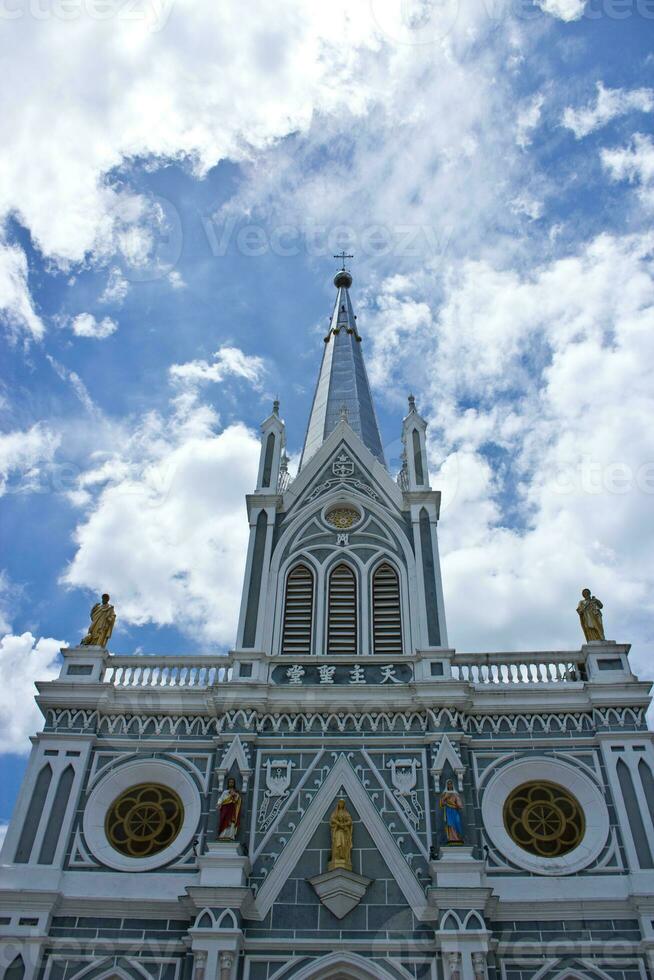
[(412, 403), (343, 277)]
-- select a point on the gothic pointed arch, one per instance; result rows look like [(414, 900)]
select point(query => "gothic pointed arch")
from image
[(386, 610), (342, 966), (268, 460), (57, 814), (16, 969), (297, 628), (34, 814), (634, 816), (342, 610)]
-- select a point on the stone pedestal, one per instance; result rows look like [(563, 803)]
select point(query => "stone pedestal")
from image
[(83, 665), (457, 868), (223, 866), (459, 880), (340, 891)]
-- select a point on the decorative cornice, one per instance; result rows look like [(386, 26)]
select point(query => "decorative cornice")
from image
[(84, 722)]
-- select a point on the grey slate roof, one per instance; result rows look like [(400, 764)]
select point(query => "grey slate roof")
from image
[(342, 382)]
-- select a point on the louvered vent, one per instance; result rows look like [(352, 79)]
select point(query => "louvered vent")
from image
[(342, 621), (298, 611), (386, 619)]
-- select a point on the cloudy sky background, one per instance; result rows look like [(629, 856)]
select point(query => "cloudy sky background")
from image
[(174, 178)]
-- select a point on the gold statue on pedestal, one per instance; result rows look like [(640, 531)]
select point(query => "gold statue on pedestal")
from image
[(103, 617), (340, 824), (590, 616)]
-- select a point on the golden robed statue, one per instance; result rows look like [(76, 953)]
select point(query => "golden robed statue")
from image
[(103, 617), (590, 616), (340, 824)]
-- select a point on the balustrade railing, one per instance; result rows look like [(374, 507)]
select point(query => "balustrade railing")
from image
[(474, 668), (515, 668), (164, 672)]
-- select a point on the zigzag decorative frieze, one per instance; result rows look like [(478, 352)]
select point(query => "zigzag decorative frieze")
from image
[(343, 722)]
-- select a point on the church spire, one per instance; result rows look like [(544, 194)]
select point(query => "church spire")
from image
[(342, 383)]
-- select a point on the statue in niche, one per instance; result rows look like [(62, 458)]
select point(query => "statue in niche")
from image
[(340, 824), (452, 806), (590, 616), (103, 617), (229, 811)]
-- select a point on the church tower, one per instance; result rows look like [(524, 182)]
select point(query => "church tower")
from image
[(343, 560), (342, 795)]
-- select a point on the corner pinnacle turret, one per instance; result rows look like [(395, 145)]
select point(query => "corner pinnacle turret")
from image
[(342, 382)]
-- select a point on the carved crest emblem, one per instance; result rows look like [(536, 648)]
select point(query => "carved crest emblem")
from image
[(404, 777), (343, 465), (278, 781), (278, 776)]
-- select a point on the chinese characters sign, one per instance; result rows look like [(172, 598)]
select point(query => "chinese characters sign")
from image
[(342, 674)]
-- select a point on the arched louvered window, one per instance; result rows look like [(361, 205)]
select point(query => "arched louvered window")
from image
[(298, 611), (386, 618), (342, 612)]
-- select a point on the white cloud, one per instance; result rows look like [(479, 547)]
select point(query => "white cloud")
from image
[(634, 163), (527, 205), (73, 379), (211, 84), (395, 189), (567, 10), (7, 591), (528, 119), (116, 289), (176, 486), (176, 280), (16, 305), (609, 104), (86, 325), (22, 660), (537, 386), (227, 362), (24, 454)]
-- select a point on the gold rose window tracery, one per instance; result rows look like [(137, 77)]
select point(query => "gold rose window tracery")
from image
[(144, 820), (342, 517), (544, 819)]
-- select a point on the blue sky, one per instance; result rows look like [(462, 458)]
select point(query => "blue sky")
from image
[(174, 184)]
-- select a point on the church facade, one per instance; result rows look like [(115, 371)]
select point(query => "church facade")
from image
[(343, 795)]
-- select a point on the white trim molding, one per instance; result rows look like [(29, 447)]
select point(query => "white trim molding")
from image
[(591, 800)]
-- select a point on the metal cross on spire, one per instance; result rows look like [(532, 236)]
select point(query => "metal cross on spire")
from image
[(343, 256)]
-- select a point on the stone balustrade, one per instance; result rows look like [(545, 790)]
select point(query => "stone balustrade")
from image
[(604, 662), (475, 668), (153, 671), (518, 668)]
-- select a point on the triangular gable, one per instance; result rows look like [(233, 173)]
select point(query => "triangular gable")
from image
[(447, 753), (235, 753), (342, 776), (343, 433)]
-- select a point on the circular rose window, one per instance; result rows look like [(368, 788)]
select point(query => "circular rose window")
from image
[(342, 517), (544, 819), (144, 820)]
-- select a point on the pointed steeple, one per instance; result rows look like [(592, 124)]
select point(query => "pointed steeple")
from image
[(343, 389)]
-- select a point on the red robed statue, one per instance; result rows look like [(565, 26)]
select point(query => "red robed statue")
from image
[(229, 811)]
